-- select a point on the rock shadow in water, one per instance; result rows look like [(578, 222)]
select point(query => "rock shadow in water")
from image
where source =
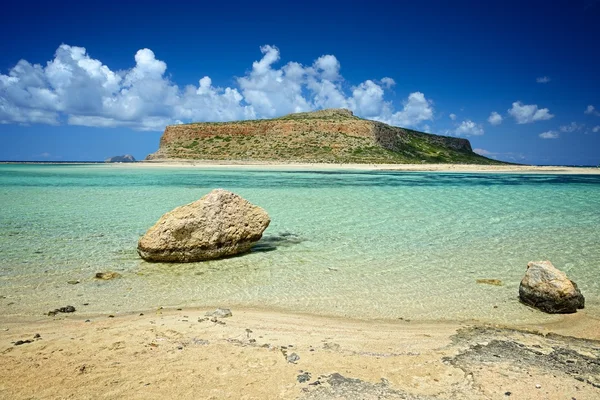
[(272, 242)]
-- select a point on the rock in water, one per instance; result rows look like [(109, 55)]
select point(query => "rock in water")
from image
[(108, 275), (220, 224), (549, 289)]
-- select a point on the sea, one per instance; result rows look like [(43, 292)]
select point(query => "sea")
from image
[(345, 243)]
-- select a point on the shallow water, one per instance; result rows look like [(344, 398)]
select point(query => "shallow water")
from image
[(358, 244)]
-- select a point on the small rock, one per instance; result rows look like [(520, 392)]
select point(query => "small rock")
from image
[(66, 309), (37, 336), (305, 377), (507, 393), (73, 282), (20, 342), (108, 275), (538, 386), (292, 358), (220, 313)]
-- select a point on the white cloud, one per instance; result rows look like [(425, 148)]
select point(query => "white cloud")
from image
[(469, 128), (517, 157), (483, 152), (452, 117), (416, 109), (367, 99), (495, 118), (76, 89), (543, 79), (528, 113), (591, 110), (549, 135), (388, 82), (572, 127), (596, 129)]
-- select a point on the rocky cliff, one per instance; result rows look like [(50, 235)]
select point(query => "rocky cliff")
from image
[(333, 135)]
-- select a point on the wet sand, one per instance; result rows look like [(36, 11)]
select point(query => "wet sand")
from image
[(258, 354)]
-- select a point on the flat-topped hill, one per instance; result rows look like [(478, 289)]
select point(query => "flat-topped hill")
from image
[(324, 136)]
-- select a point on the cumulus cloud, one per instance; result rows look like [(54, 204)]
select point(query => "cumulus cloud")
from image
[(452, 117), (495, 118), (387, 82), (543, 79), (549, 135), (591, 110), (596, 129), (76, 89), (572, 127), (416, 109), (469, 128), (528, 113)]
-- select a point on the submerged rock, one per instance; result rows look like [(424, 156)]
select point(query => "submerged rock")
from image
[(108, 275), (220, 224), (548, 289), (494, 282)]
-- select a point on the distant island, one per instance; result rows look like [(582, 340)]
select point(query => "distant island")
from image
[(120, 159), (324, 136)]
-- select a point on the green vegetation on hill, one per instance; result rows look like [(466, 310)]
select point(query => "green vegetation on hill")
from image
[(325, 136)]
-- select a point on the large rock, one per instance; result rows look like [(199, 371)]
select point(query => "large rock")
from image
[(549, 289), (220, 224)]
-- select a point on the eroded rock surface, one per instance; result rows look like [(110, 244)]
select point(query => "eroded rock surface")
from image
[(220, 224), (548, 289)]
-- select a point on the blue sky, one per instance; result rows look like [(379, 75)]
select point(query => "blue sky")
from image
[(519, 79)]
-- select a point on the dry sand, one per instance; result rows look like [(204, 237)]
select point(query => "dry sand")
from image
[(181, 354)]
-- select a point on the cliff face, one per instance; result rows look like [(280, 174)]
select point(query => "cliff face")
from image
[(320, 136)]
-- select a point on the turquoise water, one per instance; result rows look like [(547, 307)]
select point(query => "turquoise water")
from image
[(357, 244)]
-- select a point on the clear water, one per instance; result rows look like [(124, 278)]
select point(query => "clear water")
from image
[(357, 244)]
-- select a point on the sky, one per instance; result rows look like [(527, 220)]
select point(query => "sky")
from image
[(83, 82)]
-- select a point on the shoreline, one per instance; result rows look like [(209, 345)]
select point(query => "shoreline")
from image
[(460, 168), (306, 166), (258, 354)]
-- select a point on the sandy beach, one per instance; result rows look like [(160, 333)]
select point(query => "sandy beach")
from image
[(472, 168), (257, 354), (184, 353)]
